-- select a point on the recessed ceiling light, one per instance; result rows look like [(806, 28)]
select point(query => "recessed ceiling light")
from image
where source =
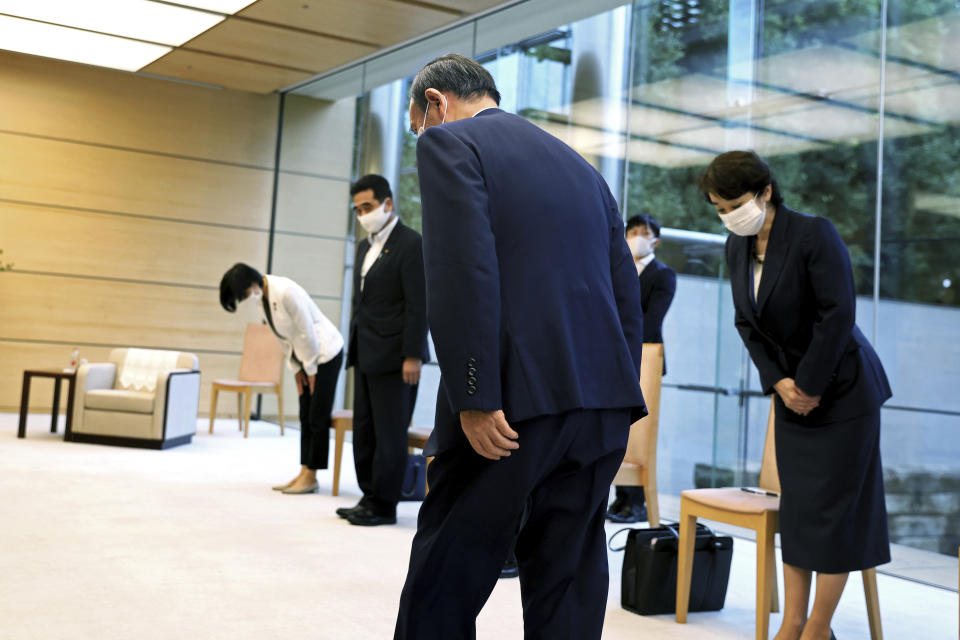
[(52, 41), (140, 19), (228, 7)]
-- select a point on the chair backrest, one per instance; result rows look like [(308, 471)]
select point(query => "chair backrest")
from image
[(642, 444), (262, 359), (769, 477), (137, 369)]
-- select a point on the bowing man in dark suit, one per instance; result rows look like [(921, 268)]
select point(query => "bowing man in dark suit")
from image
[(534, 308), (388, 345), (795, 302), (658, 284)]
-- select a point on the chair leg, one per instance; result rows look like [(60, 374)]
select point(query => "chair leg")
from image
[(339, 433), (239, 410), (213, 406), (280, 406), (653, 501), (688, 536), (246, 412), (765, 565), (873, 603)]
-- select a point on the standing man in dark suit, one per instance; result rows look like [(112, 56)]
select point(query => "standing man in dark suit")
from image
[(388, 345), (539, 359), (658, 284)]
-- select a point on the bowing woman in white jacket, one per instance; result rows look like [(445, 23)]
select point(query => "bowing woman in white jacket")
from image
[(314, 350)]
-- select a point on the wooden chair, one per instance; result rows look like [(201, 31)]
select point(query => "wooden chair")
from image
[(343, 422), (261, 371), (760, 513), (639, 467)]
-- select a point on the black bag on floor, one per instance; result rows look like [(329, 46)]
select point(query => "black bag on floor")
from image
[(649, 580), (414, 478)]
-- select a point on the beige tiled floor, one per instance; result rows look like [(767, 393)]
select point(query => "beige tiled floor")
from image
[(105, 542)]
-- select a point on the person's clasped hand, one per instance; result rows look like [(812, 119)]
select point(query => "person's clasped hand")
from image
[(305, 382), (489, 433), (794, 397)]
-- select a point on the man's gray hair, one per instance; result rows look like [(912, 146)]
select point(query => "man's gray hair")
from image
[(465, 78)]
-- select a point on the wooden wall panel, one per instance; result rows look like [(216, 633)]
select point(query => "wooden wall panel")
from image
[(18, 356), (318, 136), (103, 245), (42, 307), (306, 204), (77, 102), (315, 263), (76, 175)]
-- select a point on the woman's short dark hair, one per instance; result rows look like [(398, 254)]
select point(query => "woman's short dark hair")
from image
[(461, 76), (644, 219), (378, 184), (734, 173), (234, 285)]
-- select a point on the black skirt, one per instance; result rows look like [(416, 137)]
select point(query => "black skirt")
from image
[(833, 518)]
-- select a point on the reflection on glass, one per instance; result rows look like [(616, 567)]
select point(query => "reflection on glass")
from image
[(650, 92)]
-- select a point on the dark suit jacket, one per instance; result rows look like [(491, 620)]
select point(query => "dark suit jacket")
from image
[(658, 284), (532, 293), (388, 320), (802, 325)]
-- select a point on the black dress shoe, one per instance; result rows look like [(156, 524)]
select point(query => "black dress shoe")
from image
[(364, 517), (344, 512), (615, 507), (510, 568), (628, 514)]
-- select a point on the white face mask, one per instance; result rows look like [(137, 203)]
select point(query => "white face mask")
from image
[(640, 246), (745, 220), (255, 298), (375, 220)]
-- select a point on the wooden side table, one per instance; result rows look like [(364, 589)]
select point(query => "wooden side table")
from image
[(59, 375)]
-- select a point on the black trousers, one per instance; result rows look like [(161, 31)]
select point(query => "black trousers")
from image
[(382, 409), (561, 477), (315, 410)]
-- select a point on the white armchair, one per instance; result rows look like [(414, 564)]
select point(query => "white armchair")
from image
[(141, 398)]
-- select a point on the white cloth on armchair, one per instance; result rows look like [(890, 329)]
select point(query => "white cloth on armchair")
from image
[(154, 404), (141, 366)]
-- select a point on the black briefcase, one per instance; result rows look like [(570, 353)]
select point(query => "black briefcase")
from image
[(414, 478), (649, 580)]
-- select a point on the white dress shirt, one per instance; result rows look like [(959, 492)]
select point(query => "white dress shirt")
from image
[(307, 336), (643, 262), (377, 241)]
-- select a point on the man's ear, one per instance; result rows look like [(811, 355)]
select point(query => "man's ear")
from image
[(388, 201), (434, 97)]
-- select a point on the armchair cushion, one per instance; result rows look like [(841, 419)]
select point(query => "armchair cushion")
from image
[(120, 400)]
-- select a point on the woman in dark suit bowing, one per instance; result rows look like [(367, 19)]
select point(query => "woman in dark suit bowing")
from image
[(794, 301)]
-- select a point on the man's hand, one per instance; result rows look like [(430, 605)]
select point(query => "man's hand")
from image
[(301, 379), (411, 370), (795, 399), (488, 433)]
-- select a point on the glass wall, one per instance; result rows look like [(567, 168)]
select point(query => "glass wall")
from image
[(855, 104)]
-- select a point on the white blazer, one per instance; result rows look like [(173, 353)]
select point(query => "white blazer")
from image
[(307, 336)]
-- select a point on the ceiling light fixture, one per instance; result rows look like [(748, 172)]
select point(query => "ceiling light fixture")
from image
[(137, 19), (52, 41)]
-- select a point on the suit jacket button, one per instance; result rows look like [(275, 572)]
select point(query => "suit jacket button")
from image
[(471, 381), (471, 361), (471, 371), (471, 390)]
